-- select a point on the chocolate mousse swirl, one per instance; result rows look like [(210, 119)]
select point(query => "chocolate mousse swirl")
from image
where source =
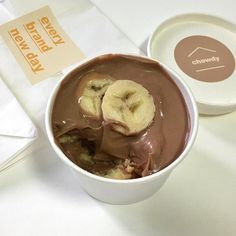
[(77, 133)]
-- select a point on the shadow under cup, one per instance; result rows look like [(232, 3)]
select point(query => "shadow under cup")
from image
[(132, 190)]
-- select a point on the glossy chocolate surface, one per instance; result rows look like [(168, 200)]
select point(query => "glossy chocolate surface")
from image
[(150, 150)]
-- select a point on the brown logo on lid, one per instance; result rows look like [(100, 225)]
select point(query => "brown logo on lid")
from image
[(204, 58)]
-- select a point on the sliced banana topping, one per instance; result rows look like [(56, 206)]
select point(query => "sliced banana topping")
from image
[(129, 106), (92, 89)]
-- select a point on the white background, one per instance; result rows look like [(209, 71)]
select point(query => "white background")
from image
[(40, 195)]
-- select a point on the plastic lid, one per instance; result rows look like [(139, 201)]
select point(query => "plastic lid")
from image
[(202, 50)]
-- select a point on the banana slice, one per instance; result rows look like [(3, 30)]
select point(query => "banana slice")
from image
[(128, 106), (91, 91)]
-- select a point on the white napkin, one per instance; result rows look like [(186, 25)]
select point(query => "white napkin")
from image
[(91, 31), (17, 131), (4, 14)]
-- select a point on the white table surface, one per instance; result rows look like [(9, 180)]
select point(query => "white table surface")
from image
[(40, 195)]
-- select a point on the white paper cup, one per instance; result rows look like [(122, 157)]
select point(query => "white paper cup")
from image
[(133, 190)]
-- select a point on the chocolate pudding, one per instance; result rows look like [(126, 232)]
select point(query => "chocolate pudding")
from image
[(105, 146)]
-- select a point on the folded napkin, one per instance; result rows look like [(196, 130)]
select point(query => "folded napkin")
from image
[(17, 131), (91, 31), (4, 14)]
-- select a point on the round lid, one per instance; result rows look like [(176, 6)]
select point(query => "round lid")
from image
[(202, 50)]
